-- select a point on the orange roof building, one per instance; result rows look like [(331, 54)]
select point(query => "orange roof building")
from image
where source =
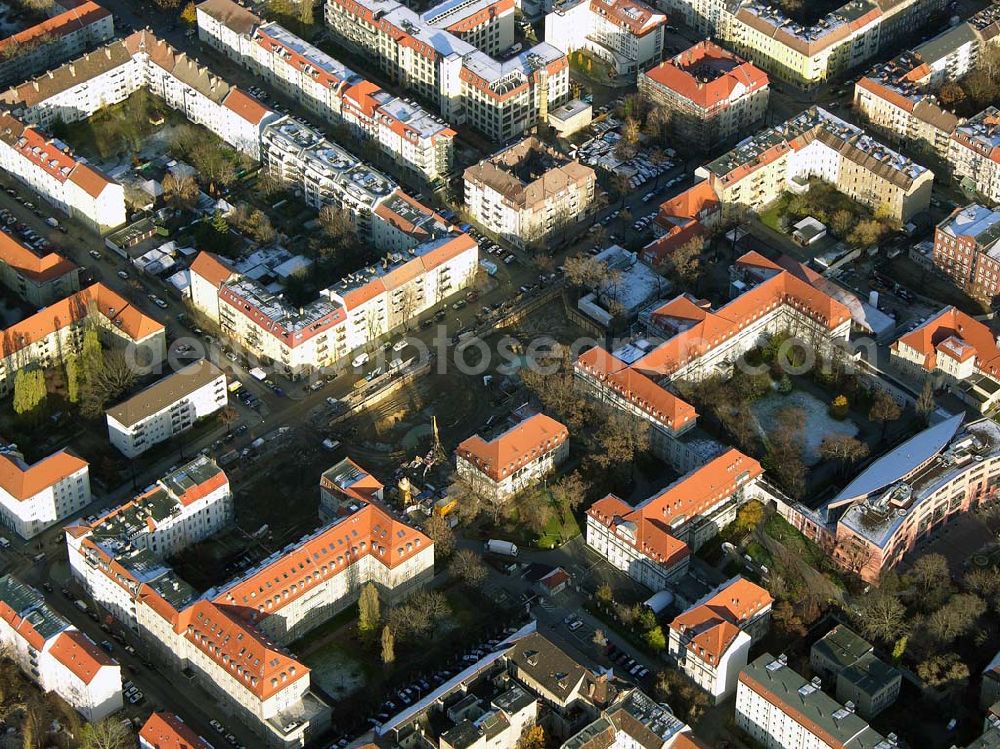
[(514, 459), (35, 497), (957, 350), (54, 654), (168, 731), (38, 339), (711, 640), (652, 541), (54, 40), (345, 486), (714, 95), (38, 280)]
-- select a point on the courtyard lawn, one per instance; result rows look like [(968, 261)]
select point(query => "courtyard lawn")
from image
[(771, 216), (118, 129), (559, 531), (591, 67), (819, 423)]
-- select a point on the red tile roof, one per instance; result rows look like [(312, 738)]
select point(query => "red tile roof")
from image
[(24, 483), (246, 106), (683, 74), (80, 655), (211, 268), (737, 603), (242, 651), (954, 333), (701, 329), (30, 265), (637, 17), (369, 531), (168, 731), (62, 24), (21, 626), (520, 445), (637, 388)]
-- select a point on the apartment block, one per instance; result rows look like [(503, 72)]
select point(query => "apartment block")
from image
[(167, 408), (635, 719), (444, 56), (967, 250), (56, 39), (778, 708), (652, 542), (35, 497), (627, 34), (49, 168), (954, 351), (112, 73), (47, 337), (515, 459), (527, 193), (39, 280), (909, 493), (686, 216), (898, 98), (169, 731), (711, 641), (862, 679), (230, 640), (56, 655), (401, 128), (974, 154), (816, 144), (807, 56), (713, 95), (361, 307)]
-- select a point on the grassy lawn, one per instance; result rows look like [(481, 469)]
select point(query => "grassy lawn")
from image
[(779, 529), (559, 531), (118, 129), (771, 216), (592, 67)]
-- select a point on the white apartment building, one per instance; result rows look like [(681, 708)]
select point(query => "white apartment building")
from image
[(711, 641), (346, 317), (47, 337), (110, 74), (57, 38), (169, 731), (975, 152), (49, 168), (55, 655), (652, 542), (628, 34), (817, 144), (444, 55), (166, 408), (329, 89), (229, 637), (778, 709), (528, 192), (35, 497), (515, 459)]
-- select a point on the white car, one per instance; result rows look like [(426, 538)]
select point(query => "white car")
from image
[(360, 360), (400, 345), (575, 625)]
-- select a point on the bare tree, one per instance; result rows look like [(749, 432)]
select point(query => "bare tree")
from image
[(180, 192), (468, 567)]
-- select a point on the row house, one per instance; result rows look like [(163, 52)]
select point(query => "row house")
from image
[(974, 152)]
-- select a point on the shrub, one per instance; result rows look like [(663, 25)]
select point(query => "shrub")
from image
[(838, 407)]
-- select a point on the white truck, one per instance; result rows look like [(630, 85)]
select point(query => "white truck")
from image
[(258, 374), (503, 548)]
